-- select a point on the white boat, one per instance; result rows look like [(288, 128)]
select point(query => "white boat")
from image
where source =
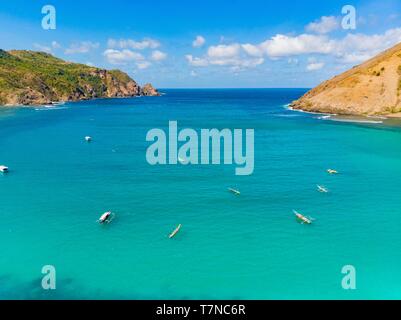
[(3, 169), (322, 189), (236, 192), (88, 139), (172, 235), (303, 218), (332, 171), (105, 217)]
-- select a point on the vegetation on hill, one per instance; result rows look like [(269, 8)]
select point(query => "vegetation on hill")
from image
[(29, 77)]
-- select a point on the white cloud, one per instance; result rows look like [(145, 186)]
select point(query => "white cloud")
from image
[(280, 46), (224, 51), (350, 49), (324, 25), (56, 45), (198, 42), (48, 49), (252, 50), (42, 48), (122, 56), (112, 43), (238, 62), (232, 55), (158, 55), (81, 47), (224, 56), (196, 62), (314, 66), (193, 74), (143, 65), (146, 43), (357, 48), (354, 58), (285, 46), (122, 52)]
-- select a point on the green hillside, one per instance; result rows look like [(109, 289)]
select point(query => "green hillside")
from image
[(28, 77)]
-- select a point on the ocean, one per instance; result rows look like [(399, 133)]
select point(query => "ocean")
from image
[(229, 247)]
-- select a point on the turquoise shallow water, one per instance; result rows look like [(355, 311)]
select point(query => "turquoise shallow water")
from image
[(247, 247)]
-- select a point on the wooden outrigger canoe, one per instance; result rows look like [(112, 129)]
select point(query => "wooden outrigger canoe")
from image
[(322, 189), (105, 217), (332, 171), (302, 218), (236, 192), (173, 234)]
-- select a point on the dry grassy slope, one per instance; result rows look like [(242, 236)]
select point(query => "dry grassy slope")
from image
[(372, 88)]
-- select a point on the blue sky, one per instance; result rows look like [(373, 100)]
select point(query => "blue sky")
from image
[(206, 44)]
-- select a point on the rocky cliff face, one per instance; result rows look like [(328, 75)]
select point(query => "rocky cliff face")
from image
[(31, 78), (148, 90), (372, 88)]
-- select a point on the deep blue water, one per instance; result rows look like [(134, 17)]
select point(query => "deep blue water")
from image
[(247, 247)]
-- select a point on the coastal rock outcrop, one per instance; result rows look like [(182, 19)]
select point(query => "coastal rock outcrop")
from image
[(372, 88), (148, 90), (34, 78)]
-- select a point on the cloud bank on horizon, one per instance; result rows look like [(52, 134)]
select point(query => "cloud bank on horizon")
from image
[(270, 46)]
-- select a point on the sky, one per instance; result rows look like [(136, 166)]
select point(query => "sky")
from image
[(208, 44)]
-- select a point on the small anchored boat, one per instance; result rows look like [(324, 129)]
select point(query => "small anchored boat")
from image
[(88, 139), (173, 234), (332, 171), (303, 218), (3, 169), (236, 192), (322, 189), (106, 217)]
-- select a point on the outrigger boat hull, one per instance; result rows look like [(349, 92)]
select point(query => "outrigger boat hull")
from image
[(104, 217), (236, 192), (322, 189), (331, 171), (3, 169), (302, 218), (173, 234)]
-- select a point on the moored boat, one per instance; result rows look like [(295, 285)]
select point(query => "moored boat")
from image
[(322, 189), (332, 171), (173, 234), (3, 169), (234, 191), (105, 217), (303, 218)]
